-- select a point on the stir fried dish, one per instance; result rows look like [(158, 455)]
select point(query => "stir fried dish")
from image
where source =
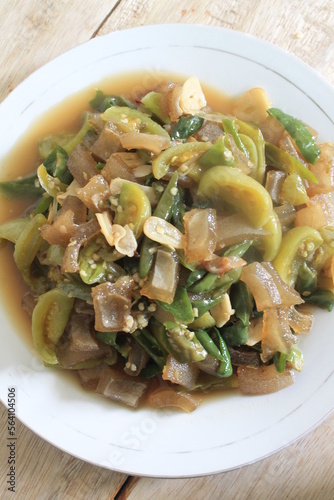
[(171, 249)]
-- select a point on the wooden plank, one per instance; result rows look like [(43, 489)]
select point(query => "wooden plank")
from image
[(306, 32), (43, 471), (33, 33), (302, 471)]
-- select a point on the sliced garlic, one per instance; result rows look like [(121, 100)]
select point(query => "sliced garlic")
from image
[(163, 232), (222, 311), (142, 171), (125, 241), (192, 98), (122, 238), (105, 222)]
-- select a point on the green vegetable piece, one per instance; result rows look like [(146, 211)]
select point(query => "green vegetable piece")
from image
[(203, 302), (118, 342), (252, 153), (230, 128), (161, 163), (56, 165), (195, 276), (164, 211), (72, 288), (97, 102), (239, 249), (109, 338), (101, 101), (321, 298), (282, 160), (186, 127), (52, 185), (98, 271), (204, 322), (208, 382), (136, 120), (55, 254), (294, 358), (12, 229), (49, 320), (205, 284), (212, 282), (255, 134), (244, 193), (225, 368), (136, 207), (27, 187), (242, 301), (151, 346), (235, 334), (26, 248), (280, 361), (178, 211), (307, 279), (43, 204), (185, 343), (298, 245), (99, 274), (164, 208), (208, 344), (159, 332), (299, 132), (152, 102), (150, 370), (293, 190), (218, 154), (74, 141), (181, 307), (117, 100), (48, 143)]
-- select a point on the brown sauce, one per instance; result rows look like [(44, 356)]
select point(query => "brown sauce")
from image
[(24, 159)]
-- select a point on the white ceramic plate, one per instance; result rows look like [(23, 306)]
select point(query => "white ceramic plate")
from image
[(221, 434)]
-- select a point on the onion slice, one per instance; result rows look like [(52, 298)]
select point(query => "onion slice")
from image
[(200, 234), (167, 397), (267, 287), (276, 333)]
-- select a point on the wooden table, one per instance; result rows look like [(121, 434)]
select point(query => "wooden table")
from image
[(32, 33)]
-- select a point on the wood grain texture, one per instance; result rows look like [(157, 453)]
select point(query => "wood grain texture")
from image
[(34, 32), (303, 471), (304, 29), (45, 472)]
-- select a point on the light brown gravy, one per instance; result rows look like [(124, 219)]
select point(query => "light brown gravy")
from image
[(24, 159)]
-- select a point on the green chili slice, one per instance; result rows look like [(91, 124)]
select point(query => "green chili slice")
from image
[(186, 127), (164, 211), (299, 132), (27, 187), (282, 160), (181, 307)]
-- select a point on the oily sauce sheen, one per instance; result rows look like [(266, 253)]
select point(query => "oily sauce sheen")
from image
[(24, 159)]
